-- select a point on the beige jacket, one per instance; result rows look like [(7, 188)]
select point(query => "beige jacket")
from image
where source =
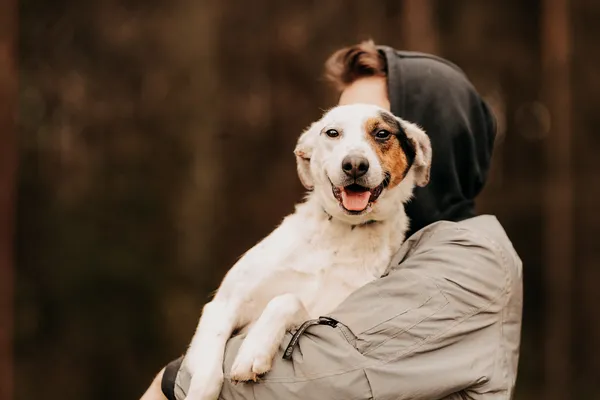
[(443, 323)]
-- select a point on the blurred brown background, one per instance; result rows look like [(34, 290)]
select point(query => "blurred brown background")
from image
[(155, 145)]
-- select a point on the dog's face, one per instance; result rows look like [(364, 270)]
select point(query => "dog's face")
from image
[(362, 161)]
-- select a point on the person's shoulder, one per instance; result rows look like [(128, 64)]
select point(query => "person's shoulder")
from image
[(484, 231), (475, 254)]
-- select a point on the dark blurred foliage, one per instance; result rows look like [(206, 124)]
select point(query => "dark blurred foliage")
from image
[(155, 143)]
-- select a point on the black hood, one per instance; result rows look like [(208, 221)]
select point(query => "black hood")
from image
[(436, 95)]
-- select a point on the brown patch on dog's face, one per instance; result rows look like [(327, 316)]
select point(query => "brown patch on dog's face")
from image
[(390, 151)]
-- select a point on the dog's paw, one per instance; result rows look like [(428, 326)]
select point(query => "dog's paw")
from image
[(250, 365)]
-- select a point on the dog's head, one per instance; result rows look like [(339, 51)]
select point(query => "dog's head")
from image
[(362, 161)]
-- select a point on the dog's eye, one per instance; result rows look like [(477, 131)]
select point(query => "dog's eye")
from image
[(382, 134), (332, 133)]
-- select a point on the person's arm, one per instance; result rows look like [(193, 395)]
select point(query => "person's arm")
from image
[(154, 392), (446, 320)]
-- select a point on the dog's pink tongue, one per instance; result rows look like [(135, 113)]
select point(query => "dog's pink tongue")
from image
[(355, 201)]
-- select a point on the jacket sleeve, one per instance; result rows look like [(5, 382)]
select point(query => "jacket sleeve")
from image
[(437, 324), (445, 320)]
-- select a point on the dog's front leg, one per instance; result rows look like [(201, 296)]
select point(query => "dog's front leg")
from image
[(240, 298), (205, 355), (255, 356)]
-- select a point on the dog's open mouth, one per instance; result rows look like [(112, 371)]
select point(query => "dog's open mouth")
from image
[(355, 198)]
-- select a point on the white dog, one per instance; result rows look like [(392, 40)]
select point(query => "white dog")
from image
[(360, 164)]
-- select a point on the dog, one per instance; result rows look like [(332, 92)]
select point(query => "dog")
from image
[(359, 164)]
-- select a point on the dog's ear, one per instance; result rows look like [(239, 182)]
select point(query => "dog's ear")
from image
[(304, 150), (422, 146)]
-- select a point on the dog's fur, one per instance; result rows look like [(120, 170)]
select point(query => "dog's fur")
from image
[(322, 252)]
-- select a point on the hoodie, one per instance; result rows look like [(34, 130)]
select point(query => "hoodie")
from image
[(436, 95)]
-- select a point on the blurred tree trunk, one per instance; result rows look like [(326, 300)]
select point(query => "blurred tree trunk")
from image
[(585, 97), (418, 26), (558, 241), (8, 156)]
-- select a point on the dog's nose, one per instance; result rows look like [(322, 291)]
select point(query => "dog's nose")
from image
[(355, 166)]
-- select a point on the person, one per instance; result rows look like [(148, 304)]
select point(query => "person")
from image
[(444, 322)]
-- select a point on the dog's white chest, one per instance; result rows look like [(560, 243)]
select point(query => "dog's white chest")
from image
[(335, 260), (330, 287)]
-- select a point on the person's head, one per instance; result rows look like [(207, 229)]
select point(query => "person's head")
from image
[(437, 96), (359, 73)]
